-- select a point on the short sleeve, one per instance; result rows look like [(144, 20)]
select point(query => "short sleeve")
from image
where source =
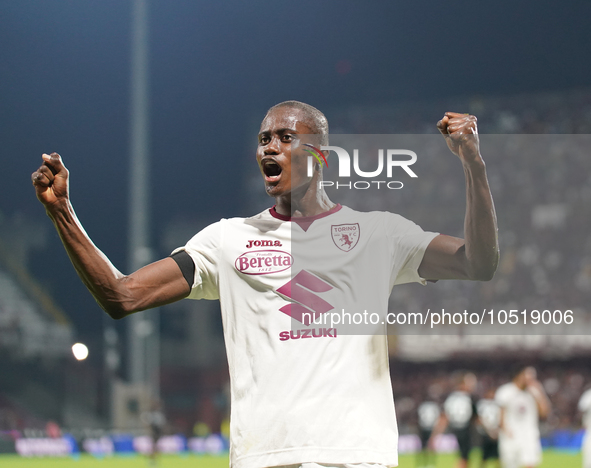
[(585, 402), (408, 243), (204, 250)]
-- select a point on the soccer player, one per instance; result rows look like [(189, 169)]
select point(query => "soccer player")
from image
[(309, 395), (154, 421), (428, 415), (585, 408), (522, 401), (489, 417), (459, 412)]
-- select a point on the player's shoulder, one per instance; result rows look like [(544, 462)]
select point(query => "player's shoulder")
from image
[(428, 404), (459, 395), (452, 395), (262, 217), (483, 403), (265, 214), (394, 221), (585, 401), (214, 230), (504, 392), (347, 211), (507, 387), (486, 402), (212, 236)]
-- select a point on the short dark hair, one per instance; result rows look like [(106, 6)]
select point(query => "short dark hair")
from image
[(517, 368), (315, 119)]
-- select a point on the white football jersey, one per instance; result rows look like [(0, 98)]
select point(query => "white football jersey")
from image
[(459, 409), (585, 408), (302, 391), (429, 413), (521, 412)]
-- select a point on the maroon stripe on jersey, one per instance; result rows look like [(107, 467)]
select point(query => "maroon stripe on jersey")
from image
[(304, 221)]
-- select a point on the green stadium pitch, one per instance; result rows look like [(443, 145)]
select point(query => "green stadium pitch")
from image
[(552, 459), (133, 461)]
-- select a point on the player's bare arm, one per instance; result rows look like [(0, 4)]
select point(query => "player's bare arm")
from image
[(536, 388), (477, 255), (119, 295), (439, 428), (493, 434), (503, 424)]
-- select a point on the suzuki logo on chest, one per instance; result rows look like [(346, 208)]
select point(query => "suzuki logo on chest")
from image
[(305, 306), (345, 236)]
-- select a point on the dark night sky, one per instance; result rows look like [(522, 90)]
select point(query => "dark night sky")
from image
[(215, 69)]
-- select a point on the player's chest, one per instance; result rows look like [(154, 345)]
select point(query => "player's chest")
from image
[(522, 405), (272, 253)]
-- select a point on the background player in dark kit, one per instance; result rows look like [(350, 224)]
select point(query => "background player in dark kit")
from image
[(459, 414), (489, 416), (428, 413)]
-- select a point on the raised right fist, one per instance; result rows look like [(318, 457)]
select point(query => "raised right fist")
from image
[(51, 180)]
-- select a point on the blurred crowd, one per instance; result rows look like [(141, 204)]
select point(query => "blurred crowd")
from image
[(537, 153), (537, 149)]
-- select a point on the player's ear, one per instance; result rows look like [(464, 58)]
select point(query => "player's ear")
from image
[(317, 166)]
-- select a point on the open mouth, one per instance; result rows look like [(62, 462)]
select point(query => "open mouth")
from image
[(271, 169)]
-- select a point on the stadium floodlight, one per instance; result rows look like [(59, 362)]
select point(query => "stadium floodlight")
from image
[(80, 351), (143, 331)]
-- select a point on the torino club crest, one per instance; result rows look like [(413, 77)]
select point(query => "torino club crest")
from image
[(345, 236)]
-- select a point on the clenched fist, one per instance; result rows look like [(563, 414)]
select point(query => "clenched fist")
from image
[(461, 135), (51, 180)]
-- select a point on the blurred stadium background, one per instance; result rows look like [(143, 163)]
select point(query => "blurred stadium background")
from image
[(213, 72)]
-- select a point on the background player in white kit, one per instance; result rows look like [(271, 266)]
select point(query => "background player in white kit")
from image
[(295, 401), (523, 402), (585, 409)]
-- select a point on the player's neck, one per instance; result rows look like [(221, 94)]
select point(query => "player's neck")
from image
[(310, 203)]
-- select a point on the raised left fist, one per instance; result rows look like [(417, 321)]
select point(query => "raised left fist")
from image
[(461, 135)]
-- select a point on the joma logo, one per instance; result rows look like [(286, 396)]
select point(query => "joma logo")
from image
[(262, 243)]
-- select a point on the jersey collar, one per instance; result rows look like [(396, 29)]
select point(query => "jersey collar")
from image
[(304, 221)]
